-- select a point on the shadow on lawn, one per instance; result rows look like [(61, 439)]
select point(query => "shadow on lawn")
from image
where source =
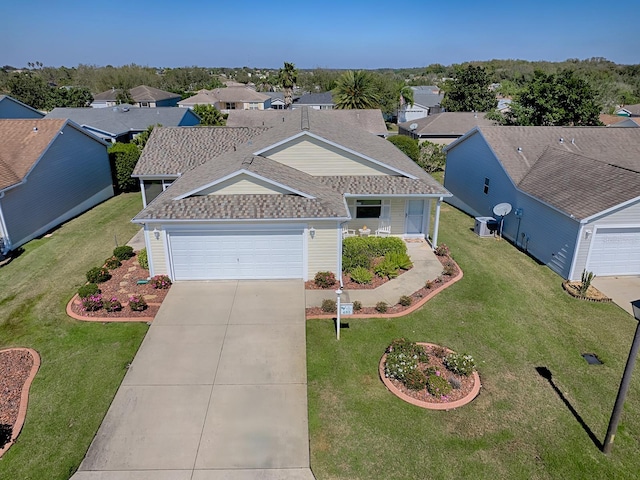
[(545, 373)]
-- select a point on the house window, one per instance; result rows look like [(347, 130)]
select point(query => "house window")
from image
[(486, 186), (145, 104), (253, 106), (368, 208), (230, 106)]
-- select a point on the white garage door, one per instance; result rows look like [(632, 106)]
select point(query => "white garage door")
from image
[(236, 254), (615, 251)]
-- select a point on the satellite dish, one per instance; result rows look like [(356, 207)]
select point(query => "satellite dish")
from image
[(502, 209), (413, 126)]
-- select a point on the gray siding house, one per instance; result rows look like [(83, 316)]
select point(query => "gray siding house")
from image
[(575, 192), (12, 108), (50, 171)]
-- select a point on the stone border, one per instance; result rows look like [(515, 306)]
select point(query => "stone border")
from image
[(86, 318), (581, 297), (412, 308), (428, 405), (24, 397)]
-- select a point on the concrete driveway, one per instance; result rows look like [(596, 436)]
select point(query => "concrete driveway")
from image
[(218, 390), (622, 290)]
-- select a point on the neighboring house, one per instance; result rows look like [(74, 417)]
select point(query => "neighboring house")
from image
[(504, 105), (443, 128), (123, 123), (275, 204), (12, 108), (143, 96), (277, 100), (628, 111), (229, 98), (426, 101), (575, 192), (50, 171), (317, 101), (619, 120), (370, 120)]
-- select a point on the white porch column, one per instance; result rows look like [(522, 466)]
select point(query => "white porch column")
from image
[(436, 223), (428, 220)]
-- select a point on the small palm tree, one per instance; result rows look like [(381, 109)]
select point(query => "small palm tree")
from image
[(288, 77), (356, 90), (404, 94)]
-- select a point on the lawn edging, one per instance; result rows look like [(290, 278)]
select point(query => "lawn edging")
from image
[(412, 308), (86, 318), (24, 396)]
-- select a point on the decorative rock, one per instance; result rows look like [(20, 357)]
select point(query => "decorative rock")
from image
[(149, 297), (131, 269), (124, 283)]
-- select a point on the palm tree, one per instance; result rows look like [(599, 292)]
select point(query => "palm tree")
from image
[(288, 78), (356, 90), (404, 94)]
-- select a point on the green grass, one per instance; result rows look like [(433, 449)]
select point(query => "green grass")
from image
[(511, 314), (83, 363)]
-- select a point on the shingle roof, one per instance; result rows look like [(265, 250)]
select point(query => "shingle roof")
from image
[(141, 93), (446, 124), (324, 98), (232, 94), (7, 98), (633, 109), (22, 145), (424, 96), (122, 119)]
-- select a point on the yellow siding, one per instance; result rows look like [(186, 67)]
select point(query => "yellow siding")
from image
[(397, 216), (243, 184), (317, 158), (156, 252), (323, 249)]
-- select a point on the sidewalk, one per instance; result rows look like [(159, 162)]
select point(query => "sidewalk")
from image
[(426, 266)]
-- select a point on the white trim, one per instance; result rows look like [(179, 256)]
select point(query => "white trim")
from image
[(248, 173), (340, 147), (406, 221), (595, 232), (609, 210), (436, 223), (6, 247), (209, 221), (398, 195), (576, 249)]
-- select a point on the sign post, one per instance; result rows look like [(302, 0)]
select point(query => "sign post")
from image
[(338, 310)]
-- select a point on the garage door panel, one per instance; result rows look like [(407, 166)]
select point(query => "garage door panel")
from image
[(236, 255), (615, 251)]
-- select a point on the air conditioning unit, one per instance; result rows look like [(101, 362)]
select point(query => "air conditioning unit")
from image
[(484, 226)]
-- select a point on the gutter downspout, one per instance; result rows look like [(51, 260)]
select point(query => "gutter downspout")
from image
[(5, 244), (436, 223)]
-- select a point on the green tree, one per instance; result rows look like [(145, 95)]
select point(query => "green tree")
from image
[(69, 97), (431, 158), (555, 99), (29, 88), (123, 158), (288, 76), (356, 90), (209, 115), (124, 96), (407, 145), (142, 138), (469, 91)]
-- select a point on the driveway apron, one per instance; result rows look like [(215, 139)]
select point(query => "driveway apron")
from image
[(217, 390)]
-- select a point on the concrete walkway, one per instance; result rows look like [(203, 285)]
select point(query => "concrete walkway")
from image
[(426, 266), (622, 290), (217, 390)]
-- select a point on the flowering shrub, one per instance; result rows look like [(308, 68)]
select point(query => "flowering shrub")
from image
[(449, 269), (442, 250), (98, 275), (410, 348), (112, 263), (398, 364), (459, 363), (437, 385), (92, 302), (112, 305), (137, 303), (324, 279), (161, 281)]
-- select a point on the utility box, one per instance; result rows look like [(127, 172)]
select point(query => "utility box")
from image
[(484, 226)]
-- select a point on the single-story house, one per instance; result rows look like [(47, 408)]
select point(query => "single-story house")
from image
[(426, 101), (50, 171), (12, 108), (443, 128), (628, 110), (277, 100), (142, 95), (370, 120), (574, 192), (229, 98), (275, 205), (317, 101), (124, 122)]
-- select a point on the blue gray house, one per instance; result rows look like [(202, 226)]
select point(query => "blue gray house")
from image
[(122, 123), (50, 171), (12, 108), (575, 192)]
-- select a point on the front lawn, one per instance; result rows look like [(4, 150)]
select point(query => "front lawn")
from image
[(82, 363), (512, 315)]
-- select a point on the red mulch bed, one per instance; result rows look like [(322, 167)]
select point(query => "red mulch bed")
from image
[(350, 284), (122, 285), (15, 366), (466, 383), (397, 308)]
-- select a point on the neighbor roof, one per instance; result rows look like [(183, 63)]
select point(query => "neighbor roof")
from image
[(7, 98), (122, 119), (452, 124), (324, 98), (231, 94), (632, 109), (141, 93), (426, 96)]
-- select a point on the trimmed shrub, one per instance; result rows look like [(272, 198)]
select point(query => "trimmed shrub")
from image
[(410, 348), (381, 307), (329, 306), (359, 251), (361, 275), (137, 303), (438, 385), (449, 269), (415, 380), (98, 275), (361, 260), (459, 363), (405, 300), (406, 145), (123, 252), (112, 263), (143, 260), (123, 158), (112, 305), (357, 305), (88, 290), (92, 302), (160, 282), (442, 250), (324, 279)]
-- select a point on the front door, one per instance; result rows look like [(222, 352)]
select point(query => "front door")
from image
[(414, 217)]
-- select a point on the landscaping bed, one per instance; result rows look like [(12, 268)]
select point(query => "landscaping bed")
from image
[(592, 293), (15, 366)]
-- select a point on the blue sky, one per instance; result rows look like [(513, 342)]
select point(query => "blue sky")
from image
[(328, 34)]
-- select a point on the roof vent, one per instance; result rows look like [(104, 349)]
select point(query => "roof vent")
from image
[(519, 149), (247, 160), (573, 141), (561, 140), (35, 129)]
